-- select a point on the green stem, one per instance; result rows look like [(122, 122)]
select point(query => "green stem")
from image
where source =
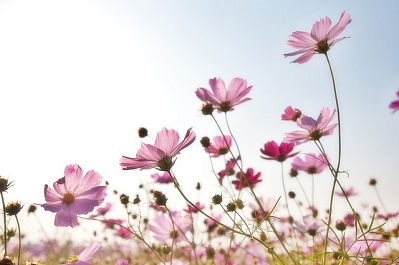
[(339, 157), (5, 224), (19, 240)]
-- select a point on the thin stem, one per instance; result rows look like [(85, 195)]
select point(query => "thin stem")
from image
[(5, 224), (19, 239), (339, 157)]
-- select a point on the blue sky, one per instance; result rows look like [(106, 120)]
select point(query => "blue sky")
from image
[(77, 78)]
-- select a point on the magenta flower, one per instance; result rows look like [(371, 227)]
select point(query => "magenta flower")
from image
[(224, 99), (313, 129), (250, 179), (161, 154), (312, 164), (73, 195), (280, 153), (291, 114), (395, 104), (165, 229), (319, 40), (84, 256), (196, 209), (229, 170), (220, 146), (163, 178)]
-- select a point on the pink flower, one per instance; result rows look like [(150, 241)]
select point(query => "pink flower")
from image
[(309, 226), (192, 209), (388, 216), (163, 178), (395, 104), (249, 179), (291, 114), (319, 40), (161, 154), (220, 146), (85, 255), (101, 211), (313, 129), (165, 229), (280, 153), (73, 195), (346, 193), (313, 164), (229, 170), (224, 99)]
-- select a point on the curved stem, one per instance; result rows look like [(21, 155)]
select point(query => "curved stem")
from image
[(336, 170)]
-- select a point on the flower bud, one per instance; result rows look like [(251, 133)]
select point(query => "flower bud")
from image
[(207, 108), (205, 142), (13, 208), (160, 198), (372, 182), (217, 199), (143, 132), (4, 185), (124, 199), (340, 225), (231, 207)]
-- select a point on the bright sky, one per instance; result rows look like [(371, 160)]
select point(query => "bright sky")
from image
[(78, 78)]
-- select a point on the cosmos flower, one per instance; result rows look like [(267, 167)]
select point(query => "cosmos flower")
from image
[(192, 209), (395, 104), (313, 129), (224, 99), (347, 192), (73, 195), (229, 170), (249, 179), (84, 256), (291, 114), (309, 226), (162, 178), (220, 146), (161, 154), (165, 229), (312, 164), (319, 40), (280, 153)]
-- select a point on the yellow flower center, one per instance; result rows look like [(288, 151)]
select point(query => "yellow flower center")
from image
[(73, 259)]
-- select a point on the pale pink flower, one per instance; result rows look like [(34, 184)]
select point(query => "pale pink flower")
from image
[(319, 40), (346, 192), (220, 146), (309, 226), (395, 104), (224, 99), (280, 153), (73, 195), (161, 154), (165, 229), (84, 256), (291, 114), (312, 164), (313, 129)]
